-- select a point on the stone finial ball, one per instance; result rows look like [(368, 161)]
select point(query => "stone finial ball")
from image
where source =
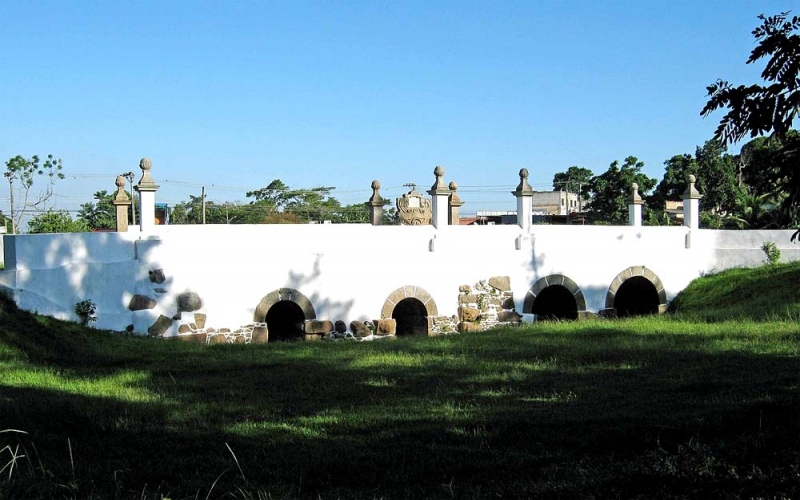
[(376, 184), (145, 164), (120, 182), (438, 171), (692, 178), (523, 173), (635, 186), (453, 186)]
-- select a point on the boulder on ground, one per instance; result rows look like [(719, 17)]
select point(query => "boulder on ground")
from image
[(340, 326), (384, 327), (318, 326), (359, 329)]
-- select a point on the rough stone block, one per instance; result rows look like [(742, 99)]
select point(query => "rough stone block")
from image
[(184, 328), (239, 339), (359, 329), (318, 326), (494, 301), (161, 325), (157, 276), (509, 317), (189, 301), (217, 339), (584, 315), (141, 302), (464, 288), (200, 320), (260, 335), (508, 303), (311, 337), (385, 327), (469, 327), (196, 338), (467, 299), (468, 314), (340, 326), (502, 283)]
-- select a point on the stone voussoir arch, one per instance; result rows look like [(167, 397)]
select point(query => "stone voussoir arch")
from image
[(633, 272), (409, 292), (272, 298), (553, 280)]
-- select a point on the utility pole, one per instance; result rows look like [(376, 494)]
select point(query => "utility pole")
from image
[(203, 199), (10, 176)]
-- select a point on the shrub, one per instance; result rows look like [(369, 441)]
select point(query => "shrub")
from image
[(772, 252), (86, 310)]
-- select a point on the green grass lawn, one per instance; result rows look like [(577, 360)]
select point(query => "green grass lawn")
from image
[(663, 407)]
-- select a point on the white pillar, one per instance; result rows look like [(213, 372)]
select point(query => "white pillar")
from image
[(691, 205), (524, 194), (635, 206), (440, 194), (147, 197)]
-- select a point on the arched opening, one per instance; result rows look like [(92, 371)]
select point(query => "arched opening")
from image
[(554, 303), (636, 296), (411, 316), (285, 320)]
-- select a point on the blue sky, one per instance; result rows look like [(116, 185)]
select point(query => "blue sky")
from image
[(232, 95)]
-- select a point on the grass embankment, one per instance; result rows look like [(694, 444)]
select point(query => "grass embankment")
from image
[(764, 293), (649, 408)]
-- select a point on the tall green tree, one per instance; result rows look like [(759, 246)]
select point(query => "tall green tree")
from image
[(191, 212), (673, 184), (100, 214), (56, 222), (610, 190), (770, 107), (20, 173), (281, 203), (574, 180)]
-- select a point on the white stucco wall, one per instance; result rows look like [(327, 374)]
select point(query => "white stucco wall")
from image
[(348, 271)]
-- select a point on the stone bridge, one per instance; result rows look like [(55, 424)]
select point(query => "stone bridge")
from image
[(434, 278)]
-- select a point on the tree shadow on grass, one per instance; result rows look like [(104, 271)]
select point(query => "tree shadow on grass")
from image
[(593, 414)]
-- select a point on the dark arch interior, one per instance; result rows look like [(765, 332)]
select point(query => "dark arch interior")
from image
[(636, 297), (285, 320), (555, 302), (411, 317)]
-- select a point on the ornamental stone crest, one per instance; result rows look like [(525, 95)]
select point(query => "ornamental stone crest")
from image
[(413, 209)]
